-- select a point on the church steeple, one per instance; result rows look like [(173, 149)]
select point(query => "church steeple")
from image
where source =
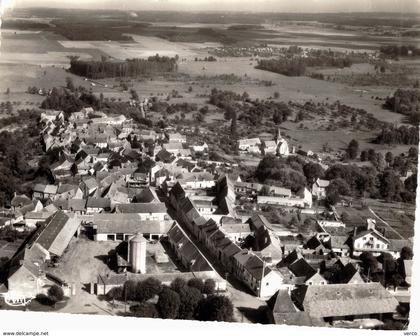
[(278, 135)]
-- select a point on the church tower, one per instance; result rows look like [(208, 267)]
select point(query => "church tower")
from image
[(278, 136)]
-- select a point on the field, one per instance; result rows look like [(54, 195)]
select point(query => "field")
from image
[(40, 57)]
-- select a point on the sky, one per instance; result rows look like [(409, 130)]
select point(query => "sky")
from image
[(409, 6)]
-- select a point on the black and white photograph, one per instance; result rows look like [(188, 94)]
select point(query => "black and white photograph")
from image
[(250, 162)]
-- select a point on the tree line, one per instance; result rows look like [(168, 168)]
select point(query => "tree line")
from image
[(192, 300), (135, 67), (296, 66)]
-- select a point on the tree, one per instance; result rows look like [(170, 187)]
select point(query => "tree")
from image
[(369, 262), (129, 290), (312, 171), (147, 289), (55, 293), (406, 253), (209, 286), (70, 84), (352, 149), (134, 94), (413, 152), (144, 309), (168, 303), (190, 298), (233, 125), (337, 187), (196, 283), (177, 284), (215, 308), (389, 158)]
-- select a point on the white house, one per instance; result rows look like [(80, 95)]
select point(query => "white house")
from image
[(319, 188), (249, 145)]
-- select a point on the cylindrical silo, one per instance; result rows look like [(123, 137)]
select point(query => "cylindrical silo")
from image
[(138, 254)]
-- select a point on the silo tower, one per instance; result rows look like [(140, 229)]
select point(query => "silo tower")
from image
[(137, 254)]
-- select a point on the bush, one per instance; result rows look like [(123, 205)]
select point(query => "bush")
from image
[(44, 300), (168, 303), (147, 289), (116, 293), (130, 290), (196, 283), (215, 308), (56, 293), (178, 284), (144, 310), (209, 286), (190, 298)]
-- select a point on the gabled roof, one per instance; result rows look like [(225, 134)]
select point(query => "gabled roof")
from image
[(141, 208), (101, 203), (20, 200), (373, 232), (55, 234), (130, 224), (301, 268), (147, 195), (259, 221), (344, 299), (322, 183)]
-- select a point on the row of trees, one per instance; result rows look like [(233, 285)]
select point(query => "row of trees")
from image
[(404, 101), (135, 67), (195, 299), (296, 66), (398, 135)]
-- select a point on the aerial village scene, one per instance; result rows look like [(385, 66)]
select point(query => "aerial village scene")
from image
[(238, 168)]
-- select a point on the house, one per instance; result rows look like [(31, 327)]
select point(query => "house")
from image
[(186, 252), (319, 188), (68, 191), (282, 145), (122, 226), (89, 186), (252, 145), (369, 240), (282, 310), (19, 201), (147, 195), (44, 191), (174, 148), (176, 137), (34, 217), (146, 211), (296, 201), (200, 148), (344, 301), (250, 269), (269, 147), (308, 275), (96, 205)]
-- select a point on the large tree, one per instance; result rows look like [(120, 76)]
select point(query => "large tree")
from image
[(168, 303), (215, 308)]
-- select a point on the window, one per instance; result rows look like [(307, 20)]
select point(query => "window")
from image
[(110, 237), (377, 246)]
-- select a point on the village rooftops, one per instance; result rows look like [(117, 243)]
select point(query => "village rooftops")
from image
[(340, 300), (141, 208)]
